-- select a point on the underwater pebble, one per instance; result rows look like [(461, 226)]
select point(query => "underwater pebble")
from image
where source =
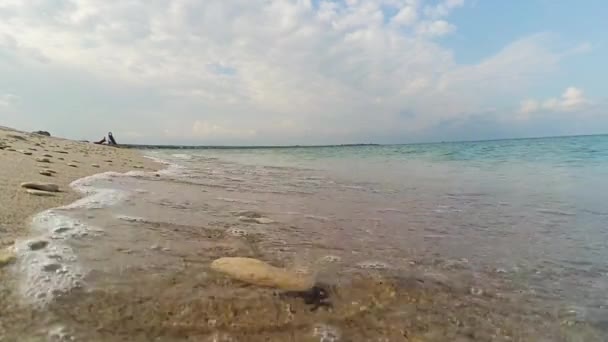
[(237, 232), (257, 272), (36, 245), (6, 257), (326, 333)]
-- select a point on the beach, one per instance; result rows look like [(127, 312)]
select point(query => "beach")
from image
[(305, 244), (18, 154)]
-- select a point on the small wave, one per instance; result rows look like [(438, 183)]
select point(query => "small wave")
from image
[(182, 156), (554, 212), (50, 268)]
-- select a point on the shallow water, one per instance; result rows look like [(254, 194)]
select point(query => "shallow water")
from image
[(499, 241)]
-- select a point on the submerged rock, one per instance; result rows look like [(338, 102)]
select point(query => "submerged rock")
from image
[(6, 257), (257, 272), (50, 187), (38, 244)]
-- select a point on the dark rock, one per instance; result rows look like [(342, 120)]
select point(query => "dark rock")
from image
[(45, 133)]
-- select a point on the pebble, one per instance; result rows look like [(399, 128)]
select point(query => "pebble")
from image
[(10, 149), (138, 167), (43, 160), (51, 267), (41, 186), (94, 165), (27, 153), (60, 158), (257, 272), (237, 232), (72, 165), (46, 173), (40, 193), (48, 155), (49, 170), (36, 245), (6, 257)]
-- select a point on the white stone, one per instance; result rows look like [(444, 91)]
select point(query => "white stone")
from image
[(257, 272)]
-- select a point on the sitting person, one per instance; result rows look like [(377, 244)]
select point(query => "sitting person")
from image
[(109, 141)]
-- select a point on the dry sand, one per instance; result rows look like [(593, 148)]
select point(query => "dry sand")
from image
[(21, 165)]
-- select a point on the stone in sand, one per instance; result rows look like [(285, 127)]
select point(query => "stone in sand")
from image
[(43, 160), (41, 186), (50, 171), (6, 257), (40, 193), (257, 272), (38, 244), (10, 149), (94, 165), (46, 173), (72, 165), (138, 167), (48, 155), (27, 153)]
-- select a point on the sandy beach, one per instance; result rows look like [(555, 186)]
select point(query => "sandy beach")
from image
[(19, 152), (23, 156)]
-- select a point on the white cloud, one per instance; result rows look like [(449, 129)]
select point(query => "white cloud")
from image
[(279, 71), (443, 8), (406, 16), (572, 99), (436, 28)]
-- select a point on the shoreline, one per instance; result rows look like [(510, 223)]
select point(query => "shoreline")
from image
[(18, 154), (23, 156)]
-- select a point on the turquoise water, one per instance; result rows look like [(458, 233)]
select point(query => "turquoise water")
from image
[(534, 207)]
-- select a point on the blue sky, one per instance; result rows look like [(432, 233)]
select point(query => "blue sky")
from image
[(302, 71)]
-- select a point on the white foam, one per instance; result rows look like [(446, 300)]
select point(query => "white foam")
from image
[(130, 218), (182, 156), (53, 270)]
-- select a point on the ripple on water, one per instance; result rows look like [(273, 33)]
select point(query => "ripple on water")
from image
[(373, 265)]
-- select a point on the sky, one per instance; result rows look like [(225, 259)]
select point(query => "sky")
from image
[(259, 72)]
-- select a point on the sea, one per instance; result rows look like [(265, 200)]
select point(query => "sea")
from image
[(502, 240)]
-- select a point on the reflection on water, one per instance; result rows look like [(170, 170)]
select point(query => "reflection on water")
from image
[(408, 250)]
